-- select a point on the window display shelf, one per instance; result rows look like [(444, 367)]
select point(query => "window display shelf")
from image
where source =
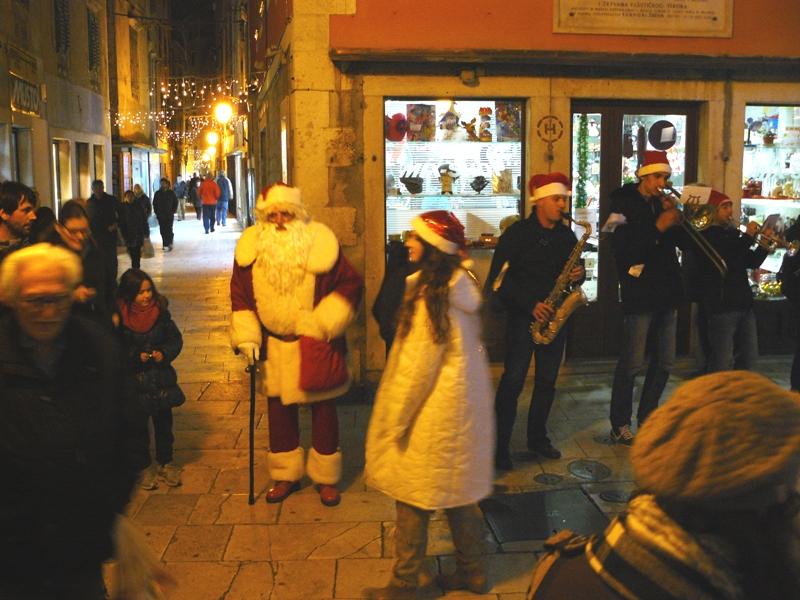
[(775, 202)]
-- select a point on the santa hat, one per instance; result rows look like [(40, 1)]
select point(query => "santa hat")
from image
[(549, 184), (728, 439), (280, 196), (717, 199), (441, 229), (655, 161)]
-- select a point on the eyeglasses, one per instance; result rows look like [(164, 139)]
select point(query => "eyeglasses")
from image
[(43, 301), (273, 216)]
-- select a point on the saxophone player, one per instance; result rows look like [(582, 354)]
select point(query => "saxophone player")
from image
[(535, 250), (727, 300), (644, 241)]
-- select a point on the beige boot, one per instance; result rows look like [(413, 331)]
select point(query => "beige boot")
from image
[(410, 544), (466, 526)]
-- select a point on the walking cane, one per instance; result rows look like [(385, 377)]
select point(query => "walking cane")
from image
[(252, 370)]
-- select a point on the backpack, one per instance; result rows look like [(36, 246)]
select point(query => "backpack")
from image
[(563, 543)]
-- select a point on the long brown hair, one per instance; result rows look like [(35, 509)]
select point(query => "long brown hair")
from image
[(433, 285)]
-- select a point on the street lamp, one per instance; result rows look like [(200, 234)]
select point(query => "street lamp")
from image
[(223, 111), (212, 137)]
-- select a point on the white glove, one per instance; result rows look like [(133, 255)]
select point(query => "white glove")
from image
[(250, 351)]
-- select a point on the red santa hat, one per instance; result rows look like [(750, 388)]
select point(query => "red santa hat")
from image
[(441, 229), (280, 196), (655, 161), (549, 184), (717, 199)]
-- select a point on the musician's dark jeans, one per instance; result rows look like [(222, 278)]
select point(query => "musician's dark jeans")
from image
[(519, 350), (635, 329), (732, 333)]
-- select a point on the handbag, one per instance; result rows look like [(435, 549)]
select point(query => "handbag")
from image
[(147, 249)]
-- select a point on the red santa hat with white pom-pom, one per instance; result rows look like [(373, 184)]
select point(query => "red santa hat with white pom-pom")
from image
[(280, 197), (441, 229), (549, 184)]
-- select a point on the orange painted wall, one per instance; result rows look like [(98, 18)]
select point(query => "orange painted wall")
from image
[(760, 28)]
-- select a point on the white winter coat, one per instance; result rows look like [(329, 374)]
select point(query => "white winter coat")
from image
[(430, 441)]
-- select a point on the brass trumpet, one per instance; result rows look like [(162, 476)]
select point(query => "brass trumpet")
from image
[(770, 243), (695, 219)]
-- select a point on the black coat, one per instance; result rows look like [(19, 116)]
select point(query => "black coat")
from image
[(71, 447), (732, 292), (639, 242), (103, 218), (393, 287), (536, 257), (154, 384), (165, 203), (133, 224)]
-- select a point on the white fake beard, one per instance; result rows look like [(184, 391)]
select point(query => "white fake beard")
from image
[(283, 256)]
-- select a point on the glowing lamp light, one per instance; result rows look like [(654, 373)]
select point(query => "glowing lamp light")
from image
[(205, 156), (211, 151), (223, 111), (212, 137)]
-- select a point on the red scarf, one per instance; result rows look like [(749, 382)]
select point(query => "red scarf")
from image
[(139, 319)]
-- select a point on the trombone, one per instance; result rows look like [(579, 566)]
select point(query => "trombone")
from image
[(695, 220)]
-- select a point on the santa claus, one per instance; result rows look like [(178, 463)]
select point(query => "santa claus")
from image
[(293, 294)]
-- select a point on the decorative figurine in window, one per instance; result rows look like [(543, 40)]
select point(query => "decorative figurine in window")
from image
[(446, 178), (472, 136), (449, 123), (412, 182), (484, 131), (479, 183)]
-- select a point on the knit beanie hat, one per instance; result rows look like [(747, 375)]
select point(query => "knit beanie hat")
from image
[(277, 197), (727, 439), (441, 229), (717, 199), (655, 161), (548, 184)]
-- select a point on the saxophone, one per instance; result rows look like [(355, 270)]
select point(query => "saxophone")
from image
[(565, 296)]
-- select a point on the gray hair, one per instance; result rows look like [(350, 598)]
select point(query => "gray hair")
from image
[(68, 261)]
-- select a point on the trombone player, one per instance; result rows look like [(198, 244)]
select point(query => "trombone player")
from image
[(727, 300), (644, 239)]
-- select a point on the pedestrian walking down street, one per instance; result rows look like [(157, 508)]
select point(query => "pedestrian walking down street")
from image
[(192, 187), (716, 516), (132, 224), (17, 216), (165, 204), (430, 438), (293, 295), (151, 341), (209, 193), (71, 441), (180, 192), (225, 196), (103, 210), (146, 204)]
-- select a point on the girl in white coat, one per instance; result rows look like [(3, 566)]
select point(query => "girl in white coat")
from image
[(431, 436)]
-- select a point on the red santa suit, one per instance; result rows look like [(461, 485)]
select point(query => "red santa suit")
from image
[(293, 294)]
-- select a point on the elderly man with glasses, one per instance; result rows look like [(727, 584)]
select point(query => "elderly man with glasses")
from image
[(71, 442)]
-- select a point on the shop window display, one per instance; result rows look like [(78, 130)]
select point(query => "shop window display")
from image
[(459, 155)]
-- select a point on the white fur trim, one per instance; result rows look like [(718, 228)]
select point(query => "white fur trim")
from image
[(282, 194), (324, 468), (329, 318), (551, 189), (245, 328), (245, 253), (324, 248), (654, 168), (433, 238), (286, 466)]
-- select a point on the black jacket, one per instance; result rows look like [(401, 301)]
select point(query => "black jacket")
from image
[(165, 203), (154, 384), (536, 257), (71, 447), (733, 291), (133, 223), (393, 287), (638, 242), (103, 218)]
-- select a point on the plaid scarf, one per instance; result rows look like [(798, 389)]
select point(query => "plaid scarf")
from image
[(644, 554)]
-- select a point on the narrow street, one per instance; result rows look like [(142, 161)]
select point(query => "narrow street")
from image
[(216, 546)]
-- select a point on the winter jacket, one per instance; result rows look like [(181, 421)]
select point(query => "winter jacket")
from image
[(71, 447), (731, 292), (165, 203), (225, 190), (103, 218), (639, 247), (390, 295), (430, 440), (155, 384), (208, 192), (535, 256), (133, 224)]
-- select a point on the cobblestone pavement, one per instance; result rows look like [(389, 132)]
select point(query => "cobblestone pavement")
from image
[(216, 546)]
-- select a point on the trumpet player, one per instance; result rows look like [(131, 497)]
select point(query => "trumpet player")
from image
[(727, 301), (644, 240), (536, 250)]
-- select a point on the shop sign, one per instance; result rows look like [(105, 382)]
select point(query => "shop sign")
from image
[(677, 18), (25, 97)]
